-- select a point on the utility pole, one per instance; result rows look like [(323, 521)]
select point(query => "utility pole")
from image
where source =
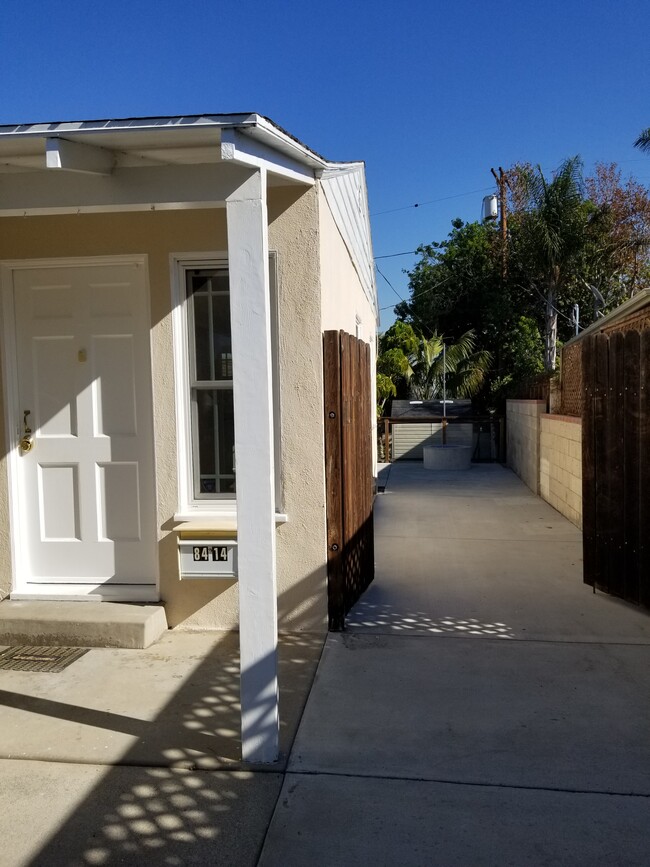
[(502, 183)]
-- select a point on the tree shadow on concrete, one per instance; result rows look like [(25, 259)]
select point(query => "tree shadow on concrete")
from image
[(179, 793), (376, 616)]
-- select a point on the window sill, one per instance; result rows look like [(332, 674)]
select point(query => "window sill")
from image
[(221, 522)]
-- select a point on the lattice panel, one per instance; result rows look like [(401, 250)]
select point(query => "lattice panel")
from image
[(571, 381), (637, 322)]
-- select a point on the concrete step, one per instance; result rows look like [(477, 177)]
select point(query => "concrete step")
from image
[(80, 624)]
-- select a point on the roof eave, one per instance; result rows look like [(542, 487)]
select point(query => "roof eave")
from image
[(249, 123)]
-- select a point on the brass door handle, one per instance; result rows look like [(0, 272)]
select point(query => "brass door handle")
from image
[(27, 440)]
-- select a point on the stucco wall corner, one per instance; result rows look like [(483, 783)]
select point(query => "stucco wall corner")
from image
[(301, 542)]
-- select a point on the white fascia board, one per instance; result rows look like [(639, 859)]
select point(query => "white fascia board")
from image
[(183, 186), (345, 191), (242, 148), (75, 157)]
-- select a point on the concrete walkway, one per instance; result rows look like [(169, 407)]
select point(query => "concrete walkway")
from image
[(131, 757), (484, 706)]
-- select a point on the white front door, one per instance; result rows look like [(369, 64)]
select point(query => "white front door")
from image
[(84, 522)]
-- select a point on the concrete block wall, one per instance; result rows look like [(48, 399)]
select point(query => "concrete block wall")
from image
[(523, 439), (560, 464)]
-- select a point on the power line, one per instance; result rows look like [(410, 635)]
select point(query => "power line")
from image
[(393, 255), (423, 325), (552, 306), (380, 272), (415, 294), (482, 190), (430, 202)]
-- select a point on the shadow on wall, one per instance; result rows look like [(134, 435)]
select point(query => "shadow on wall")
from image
[(182, 606), (301, 607), (174, 798)]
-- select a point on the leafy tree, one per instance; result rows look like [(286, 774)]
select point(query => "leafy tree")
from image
[(393, 368), (622, 264), (399, 336), (522, 357), (385, 390), (396, 347), (569, 242), (456, 285), (523, 349)]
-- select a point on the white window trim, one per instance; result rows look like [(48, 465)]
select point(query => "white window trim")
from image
[(189, 507)]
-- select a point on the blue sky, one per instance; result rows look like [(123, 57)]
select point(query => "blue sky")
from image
[(429, 94)]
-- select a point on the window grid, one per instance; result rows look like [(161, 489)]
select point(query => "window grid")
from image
[(213, 438)]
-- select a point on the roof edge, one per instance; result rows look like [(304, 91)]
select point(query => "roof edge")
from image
[(632, 305), (249, 123)]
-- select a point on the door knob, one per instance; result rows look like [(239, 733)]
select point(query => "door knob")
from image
[(27, 440)]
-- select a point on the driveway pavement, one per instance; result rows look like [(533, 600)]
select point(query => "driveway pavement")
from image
[(484, 707)]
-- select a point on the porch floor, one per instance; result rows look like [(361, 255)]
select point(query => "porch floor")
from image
[(131, 757)]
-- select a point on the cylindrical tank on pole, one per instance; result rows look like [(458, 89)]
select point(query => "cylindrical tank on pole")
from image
[(490, 208)]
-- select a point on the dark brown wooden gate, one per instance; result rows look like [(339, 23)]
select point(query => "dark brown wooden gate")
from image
[(616, 464), (348, 472)]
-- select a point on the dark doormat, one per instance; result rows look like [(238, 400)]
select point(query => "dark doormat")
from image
[(51, 659)]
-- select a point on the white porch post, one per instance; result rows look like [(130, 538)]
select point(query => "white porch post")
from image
[(248, 262)]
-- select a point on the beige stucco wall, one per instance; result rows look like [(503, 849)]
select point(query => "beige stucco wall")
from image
[(343, 298), (345, 306), (560, 465), (294, 235), (302, 541), (522, 433)]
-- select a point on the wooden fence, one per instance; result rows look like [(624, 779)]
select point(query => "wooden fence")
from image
[(349, 477), (616, 464)]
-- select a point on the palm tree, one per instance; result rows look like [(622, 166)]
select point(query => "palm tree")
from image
[(643, 141), (555, 222), (410, 363), (464, 367)]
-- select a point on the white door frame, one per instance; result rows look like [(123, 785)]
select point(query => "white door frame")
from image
[(12, 410)]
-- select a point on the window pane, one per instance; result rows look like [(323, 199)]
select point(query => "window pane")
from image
[(198, 281), (216, 441), (220, 281), (208, 289), (202, 337), (221, 337)]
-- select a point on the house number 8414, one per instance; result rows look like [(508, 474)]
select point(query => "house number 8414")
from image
[(210, 552)]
